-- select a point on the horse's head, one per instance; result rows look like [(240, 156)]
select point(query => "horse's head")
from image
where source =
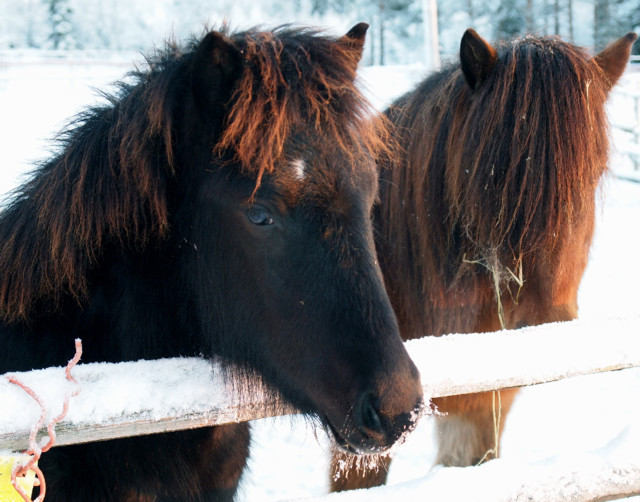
[(530, 114), (276, 231)]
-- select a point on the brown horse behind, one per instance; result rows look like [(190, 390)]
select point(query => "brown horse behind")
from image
[(487, 211)]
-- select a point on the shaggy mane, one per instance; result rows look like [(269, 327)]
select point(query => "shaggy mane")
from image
[(495, 174), (107, 183)]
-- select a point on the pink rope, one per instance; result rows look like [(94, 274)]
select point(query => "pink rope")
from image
[(65, 407), (34, 449)]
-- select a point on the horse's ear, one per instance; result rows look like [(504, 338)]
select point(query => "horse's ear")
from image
[(216, 66), (354, 40), (613, 59), (477, 58)]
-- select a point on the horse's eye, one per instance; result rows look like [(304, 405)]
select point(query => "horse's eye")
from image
[(258, 215)]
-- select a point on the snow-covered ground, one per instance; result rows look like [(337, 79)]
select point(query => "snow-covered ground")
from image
[(289, 457)]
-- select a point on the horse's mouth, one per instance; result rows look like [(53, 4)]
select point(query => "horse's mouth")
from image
[(357, 442), (339, 441), (362, 440)]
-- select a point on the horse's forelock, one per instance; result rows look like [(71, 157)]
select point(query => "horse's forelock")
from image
[(512, 140), (297, 80)]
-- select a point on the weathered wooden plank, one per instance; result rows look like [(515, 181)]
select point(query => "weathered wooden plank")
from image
[(460, 364), (146, 397), (131, 398)]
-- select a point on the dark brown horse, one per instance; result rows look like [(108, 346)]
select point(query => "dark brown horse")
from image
[(219, 205), (486, 212)]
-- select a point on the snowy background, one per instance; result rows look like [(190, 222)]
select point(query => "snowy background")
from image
[(38, 93), (397, 34)]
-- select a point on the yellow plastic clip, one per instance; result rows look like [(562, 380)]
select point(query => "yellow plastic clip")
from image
[(7, 492)]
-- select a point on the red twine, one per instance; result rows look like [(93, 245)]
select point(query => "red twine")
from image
[(34, 449)]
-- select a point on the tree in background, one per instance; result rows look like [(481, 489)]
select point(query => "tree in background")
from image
[(397, 34), (60, 24), (612, 19), (547, 17), (635, 21), (21, 24), (510, 19)]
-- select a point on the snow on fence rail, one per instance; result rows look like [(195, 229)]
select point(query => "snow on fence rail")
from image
[(145, 397)]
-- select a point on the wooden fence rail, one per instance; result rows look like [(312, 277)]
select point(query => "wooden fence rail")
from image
[(588, 477), (145, 397)]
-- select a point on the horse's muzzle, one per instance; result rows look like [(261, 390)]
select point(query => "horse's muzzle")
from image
[(382, 417)]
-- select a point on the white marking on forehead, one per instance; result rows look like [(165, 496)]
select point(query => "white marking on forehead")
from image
[(298, 167)]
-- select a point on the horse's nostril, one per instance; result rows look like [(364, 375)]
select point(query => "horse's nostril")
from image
[(371, 421)]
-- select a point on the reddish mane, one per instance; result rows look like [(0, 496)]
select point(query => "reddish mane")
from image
[(312, 92)]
